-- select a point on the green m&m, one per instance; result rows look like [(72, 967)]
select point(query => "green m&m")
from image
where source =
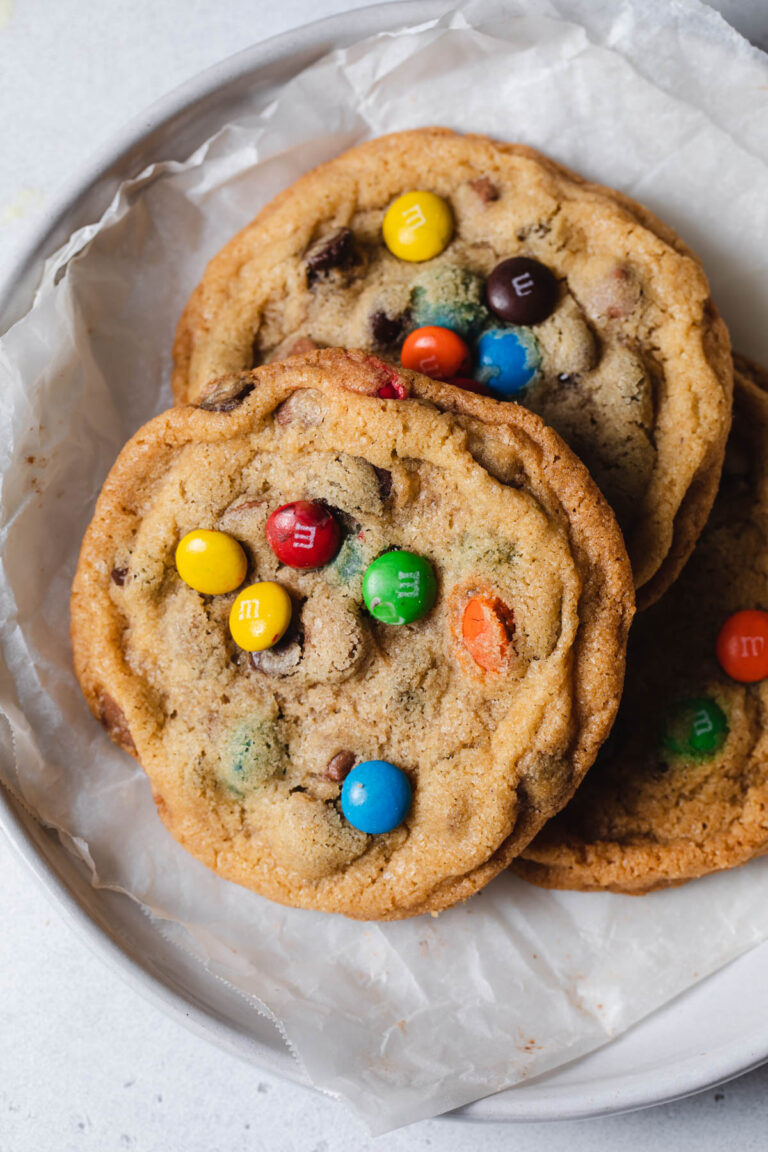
[(695, 727), (399, 587)]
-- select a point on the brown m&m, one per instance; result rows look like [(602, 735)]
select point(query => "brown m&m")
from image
[(521, 291)]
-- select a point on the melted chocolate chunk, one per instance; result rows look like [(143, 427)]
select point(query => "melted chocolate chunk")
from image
[(302, 406), (485, 189), (384, 477), (113, 718), (388, 330), (226, 395), (340, 765), (246, 506), (119, 575), (336, 251), (284, 657), (299, 346)]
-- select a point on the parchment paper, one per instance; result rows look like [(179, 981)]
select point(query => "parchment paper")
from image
[(409, 1019)]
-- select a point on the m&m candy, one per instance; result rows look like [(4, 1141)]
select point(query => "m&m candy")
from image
[(418, 226), (304, 534), (508, 360), (399, 587), (695, 727), (486, 627), (742, 646), (521, 291), (437, 352), (376, 797), (260, 616), (211, 562)]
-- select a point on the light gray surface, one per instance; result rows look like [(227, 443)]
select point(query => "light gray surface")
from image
[(84, 1063)]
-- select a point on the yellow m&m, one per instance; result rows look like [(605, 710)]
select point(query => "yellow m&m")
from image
[(211, 562), (260, 616), (418, 226)]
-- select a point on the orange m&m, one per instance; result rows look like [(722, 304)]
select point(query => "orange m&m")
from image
[(436, 352), (742, 646), (486, 629)]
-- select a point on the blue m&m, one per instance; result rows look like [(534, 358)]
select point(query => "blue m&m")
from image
[(376, 797), (508, 360)]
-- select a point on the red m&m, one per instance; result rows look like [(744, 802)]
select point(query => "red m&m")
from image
[(303, 534), (437, 352), (742, 646)]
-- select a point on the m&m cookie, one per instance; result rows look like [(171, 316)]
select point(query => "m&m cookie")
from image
[(364, 631), (491, 267), (681, 788)]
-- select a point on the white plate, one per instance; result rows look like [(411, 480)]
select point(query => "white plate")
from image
[(715, 1031)]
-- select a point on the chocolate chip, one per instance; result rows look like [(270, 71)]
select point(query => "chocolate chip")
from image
[(300, 346), (303, 406), (340, 765), (335, 251), (522, 291), (351, 526), (277, 661), (283, 658), (384, 477), (246, 506), (225, 395), (293, 346), (485, 189), (616, 295), (113, 718), (388, 330), (119, 575)]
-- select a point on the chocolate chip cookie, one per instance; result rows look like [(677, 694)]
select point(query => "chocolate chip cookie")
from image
[(364, 631), (489, 265), (681, 787)]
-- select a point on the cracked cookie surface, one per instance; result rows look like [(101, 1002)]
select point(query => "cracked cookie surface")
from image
[(634, 365), (246, 752), (681, 787)]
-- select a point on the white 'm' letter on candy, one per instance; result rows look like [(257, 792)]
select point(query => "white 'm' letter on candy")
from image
[(414, 217), (523, 285), (702, 723), (408, 584), (304, 536), (752, 645)]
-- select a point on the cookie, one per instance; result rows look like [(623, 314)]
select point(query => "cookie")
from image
[(489, 264), (363, 631), (681, 788)]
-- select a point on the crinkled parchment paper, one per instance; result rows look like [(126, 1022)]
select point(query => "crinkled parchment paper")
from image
[(409, 1019)]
